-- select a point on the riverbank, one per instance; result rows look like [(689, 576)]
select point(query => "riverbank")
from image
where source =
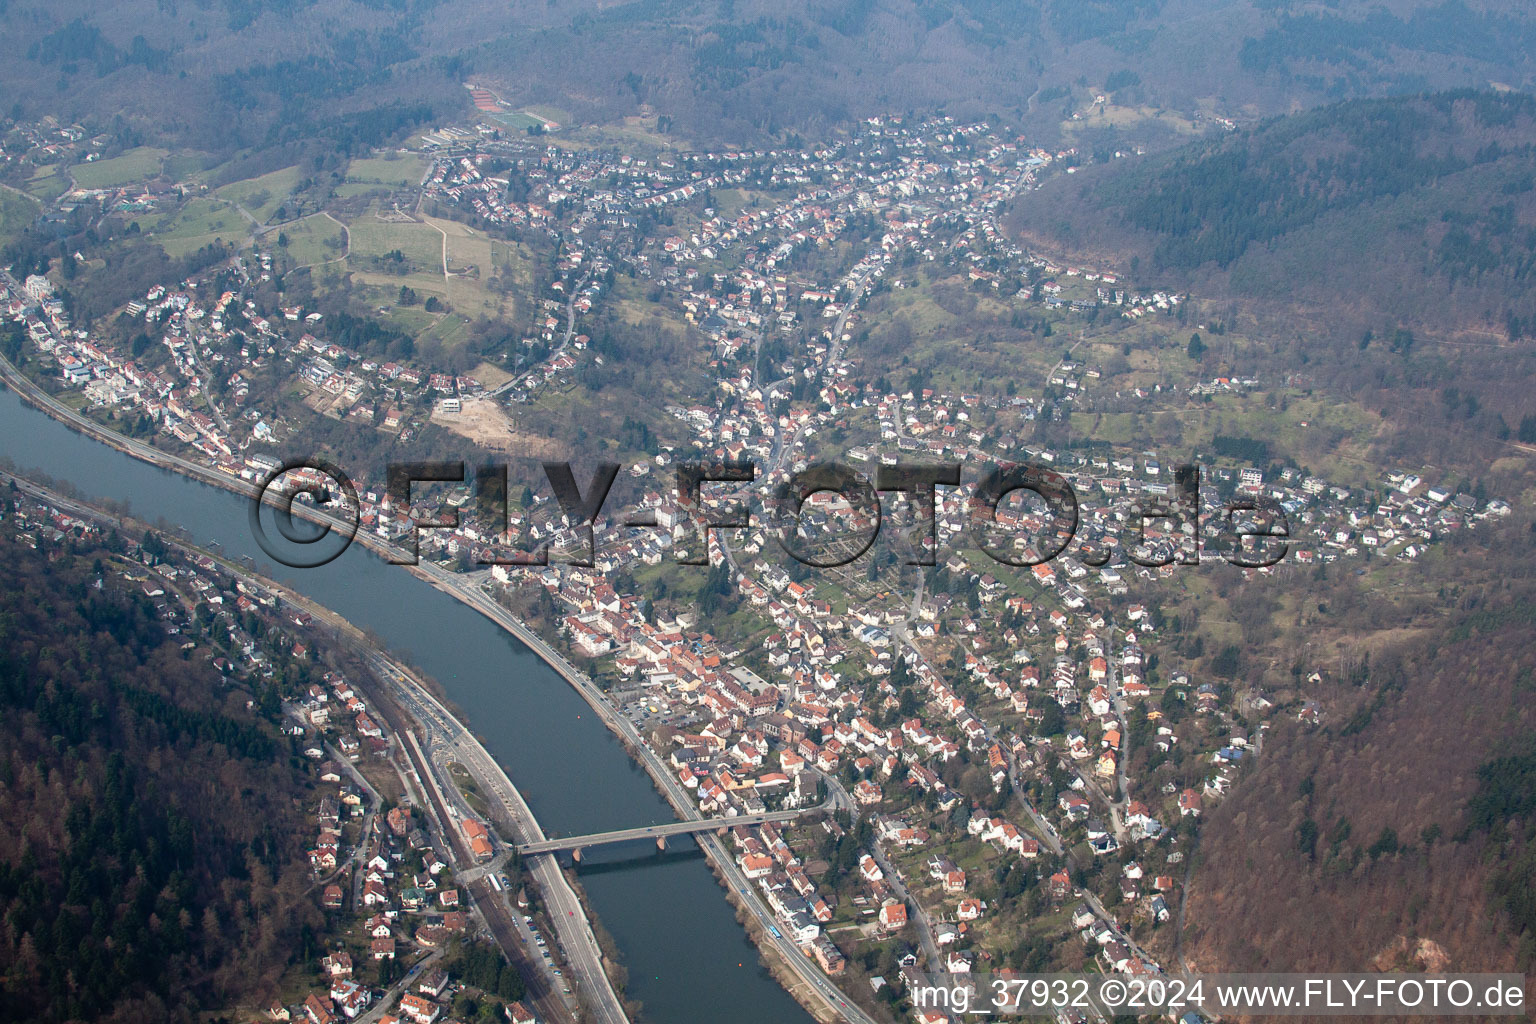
[(400, 681), (827, 999)]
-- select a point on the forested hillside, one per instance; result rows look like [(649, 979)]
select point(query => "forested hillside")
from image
[(746, 65), (227, 74), (1423, 206), (1396, 834), (151, 863)]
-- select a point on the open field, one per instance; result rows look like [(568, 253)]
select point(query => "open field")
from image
[(450, 330), (419, 244), (471, 263), (216, 216), (1115, 428), (1329, 438), (945, 326), (396, 170), (387, 286), (426, 285), (419, 268), (308, 238), (262, 196), (631, 134), (629, 304), (200, 221), (731, 201), (353, 189), (412, 320), (47, 183), (513, 261), (489, 375), (1102, 115), (472, 260), (135, 165), (17, 210), (382, 292), (181, 165), (466, 247)]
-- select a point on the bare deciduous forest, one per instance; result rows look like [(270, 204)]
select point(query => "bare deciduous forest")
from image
[(277, 74), (1370, 841), (134, 889)]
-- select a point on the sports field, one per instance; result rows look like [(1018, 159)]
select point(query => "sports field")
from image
[(517, 121)]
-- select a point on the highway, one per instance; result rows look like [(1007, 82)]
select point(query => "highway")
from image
[(34, 395), (498, 917), (676, 828), (830, 995), (505, 925)]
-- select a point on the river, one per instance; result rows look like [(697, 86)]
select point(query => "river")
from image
[(688, 959)]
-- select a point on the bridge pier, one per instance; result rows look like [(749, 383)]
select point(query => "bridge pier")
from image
[(576, 855), (661, 842)]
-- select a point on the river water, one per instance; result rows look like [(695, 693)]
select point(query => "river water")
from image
[(688, 959)]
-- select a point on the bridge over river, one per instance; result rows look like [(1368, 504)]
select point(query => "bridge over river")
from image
[(657, 832)]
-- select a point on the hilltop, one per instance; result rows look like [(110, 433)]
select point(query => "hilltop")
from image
[(243, 73)]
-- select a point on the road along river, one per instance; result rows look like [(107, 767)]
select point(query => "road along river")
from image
[(689, 961)]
